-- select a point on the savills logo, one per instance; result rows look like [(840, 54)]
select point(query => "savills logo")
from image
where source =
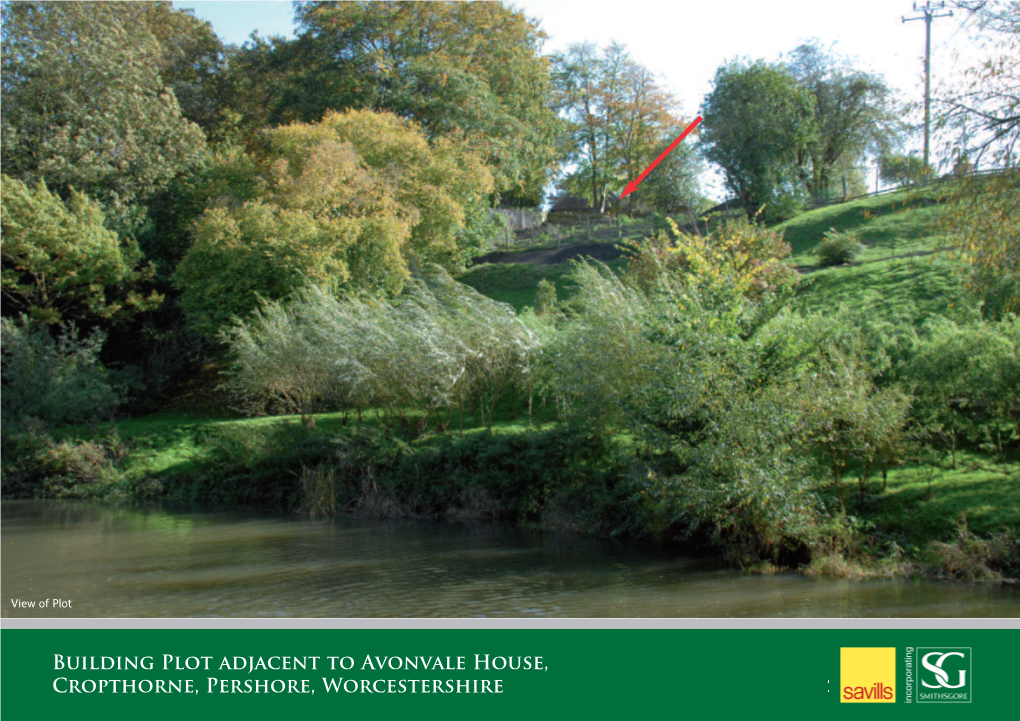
[(867, 675)]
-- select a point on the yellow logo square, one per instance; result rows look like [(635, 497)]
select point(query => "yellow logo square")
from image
[(867, 675)]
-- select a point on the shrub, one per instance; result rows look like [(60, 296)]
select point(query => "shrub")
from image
[(57, 378), (967, 380), (436, 346), (545, 298), (35, 465), (971, 558), (739, 259), (839, 247)]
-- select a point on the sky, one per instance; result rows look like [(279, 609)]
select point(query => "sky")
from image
[(685, 42)]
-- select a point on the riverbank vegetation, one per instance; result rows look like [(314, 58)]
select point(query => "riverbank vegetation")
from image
[(275, 305)]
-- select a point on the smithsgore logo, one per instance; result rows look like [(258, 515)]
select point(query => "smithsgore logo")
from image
[(867, 675), (944, 675)]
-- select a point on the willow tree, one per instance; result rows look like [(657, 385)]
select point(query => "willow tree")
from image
[(431, 348)]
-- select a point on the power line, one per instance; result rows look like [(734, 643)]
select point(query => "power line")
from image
[(929, 13)]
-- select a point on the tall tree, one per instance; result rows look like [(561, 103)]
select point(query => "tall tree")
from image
[(983, 110), (759, 123), (85, 107), (853, 113), (470, 70), (618, 115)]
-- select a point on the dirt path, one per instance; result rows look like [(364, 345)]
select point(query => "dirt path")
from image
[(604, 252)]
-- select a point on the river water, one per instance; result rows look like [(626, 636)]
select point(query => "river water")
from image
[(108, 562)]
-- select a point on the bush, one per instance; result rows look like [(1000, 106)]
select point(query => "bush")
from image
[(439, 345), (56, 378), (971, 558), (967, 380), (839, 247), (575, 479), (35, 465)]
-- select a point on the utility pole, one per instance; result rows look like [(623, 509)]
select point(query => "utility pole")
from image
[(929, 13)]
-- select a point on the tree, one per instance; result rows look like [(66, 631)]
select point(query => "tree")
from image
[(60, 262), (84, 106), (619, 117), (436, 183), (966, 378), (759, 123), (432, 347), (191, 59), (852, 112), (468, 70), (903, 170), (673, 186), (982, 221), (348, 202)]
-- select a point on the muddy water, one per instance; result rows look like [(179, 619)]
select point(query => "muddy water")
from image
[(147, 562)]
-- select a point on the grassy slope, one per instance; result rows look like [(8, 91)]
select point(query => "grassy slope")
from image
[(983, 491), (515, 283), (901, 288)]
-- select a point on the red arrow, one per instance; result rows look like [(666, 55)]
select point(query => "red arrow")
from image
[(632, 185)]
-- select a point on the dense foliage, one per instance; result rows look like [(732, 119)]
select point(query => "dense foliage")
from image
[(619, 118), (465, 70), (437, 346), (348, 202), (60, 262), (285, 221), (85, 106), (759, 122)]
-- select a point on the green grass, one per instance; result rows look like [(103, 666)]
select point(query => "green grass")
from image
[(167, 443), (517, 283), (908, 289), (893, 224), (983, 490)]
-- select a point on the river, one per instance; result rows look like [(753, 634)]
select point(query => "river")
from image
[(136, 562)]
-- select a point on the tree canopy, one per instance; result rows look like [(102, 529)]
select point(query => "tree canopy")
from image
[(348, 202), (852, 113), (85, 106), (759, 123), (619, 119), (983, 107), (61, 263), (466, 70)]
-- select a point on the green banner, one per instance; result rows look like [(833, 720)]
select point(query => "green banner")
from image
[(507, 673)]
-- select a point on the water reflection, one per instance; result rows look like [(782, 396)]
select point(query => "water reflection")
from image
[(131, 562)]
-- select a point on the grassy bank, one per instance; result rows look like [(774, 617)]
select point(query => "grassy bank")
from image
[(545, 474)]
